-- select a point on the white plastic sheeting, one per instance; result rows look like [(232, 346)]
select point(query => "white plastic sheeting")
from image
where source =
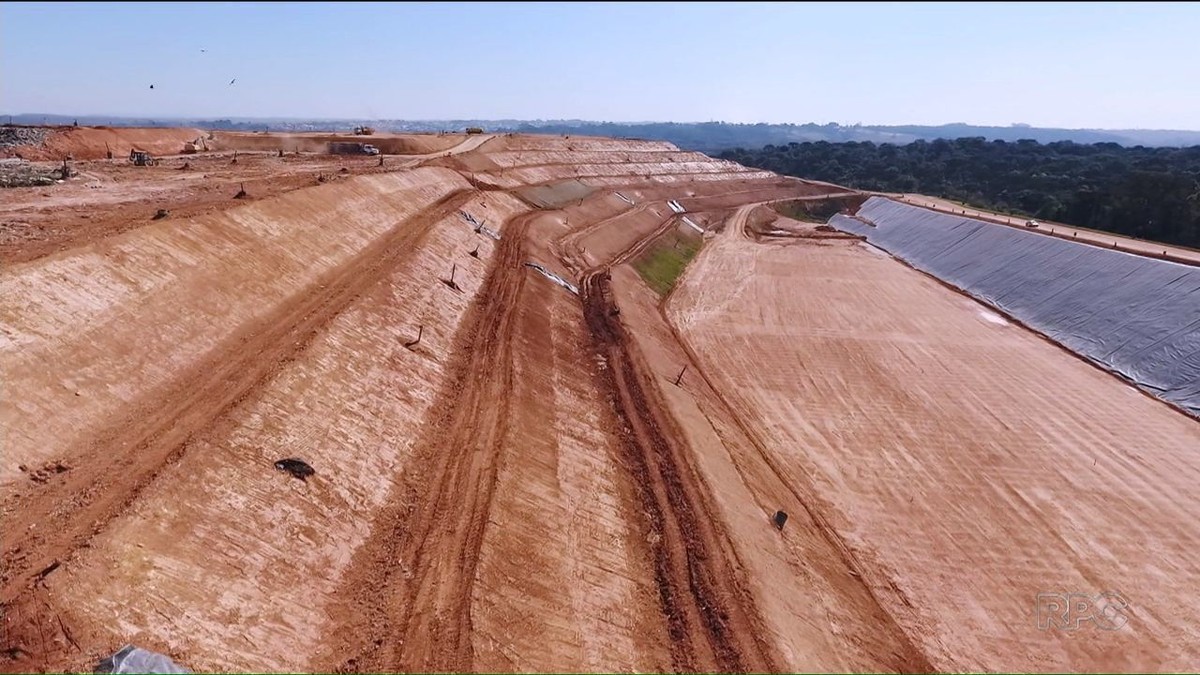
[(1136, 316), (130, 659), (553, 277), (468, 217), (479, 225)]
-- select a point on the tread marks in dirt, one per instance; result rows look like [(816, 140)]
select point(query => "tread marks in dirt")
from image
[(415, 576), (157, 433), (905, 655), (711, 621)]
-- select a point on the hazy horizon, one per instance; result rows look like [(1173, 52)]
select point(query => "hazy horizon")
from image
[(292, 118), (1119, 66)]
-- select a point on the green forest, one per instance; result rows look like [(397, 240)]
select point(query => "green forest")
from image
[(1149, 193)]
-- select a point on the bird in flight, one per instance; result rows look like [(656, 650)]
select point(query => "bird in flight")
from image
[(232, 81), (203, 51), (151, 86)]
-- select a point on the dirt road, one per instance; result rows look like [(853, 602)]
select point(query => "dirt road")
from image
[(711, 624), (425, 606)]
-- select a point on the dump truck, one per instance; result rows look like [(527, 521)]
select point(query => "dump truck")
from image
[(352, 149), (364, 131)]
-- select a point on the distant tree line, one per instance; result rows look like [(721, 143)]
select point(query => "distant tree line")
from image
[(229, 125), (1149, 193), (712, 137), (709, 137)]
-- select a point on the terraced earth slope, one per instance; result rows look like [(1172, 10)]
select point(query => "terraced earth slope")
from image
[(526, 457)]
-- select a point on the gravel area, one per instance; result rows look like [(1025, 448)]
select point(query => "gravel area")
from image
[(15, 136)]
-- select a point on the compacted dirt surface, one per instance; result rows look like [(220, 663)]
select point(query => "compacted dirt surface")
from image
[(522, 457), (966, 464)]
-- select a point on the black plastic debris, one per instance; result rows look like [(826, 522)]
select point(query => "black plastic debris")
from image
[(780, 519), (297, 467), (130, 659)]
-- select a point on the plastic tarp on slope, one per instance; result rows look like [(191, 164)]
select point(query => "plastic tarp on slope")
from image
[(132, 659), (1136, 316)]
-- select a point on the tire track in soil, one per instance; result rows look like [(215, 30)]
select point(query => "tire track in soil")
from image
[(45, 525), (710, 618), (907, 657), (408, 596)]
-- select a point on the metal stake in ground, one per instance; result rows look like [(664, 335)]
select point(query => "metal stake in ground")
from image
[(474, 252), (679, 378), (450, 282), (420, 331)]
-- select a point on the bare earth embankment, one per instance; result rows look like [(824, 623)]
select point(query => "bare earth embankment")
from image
[(526, 456)]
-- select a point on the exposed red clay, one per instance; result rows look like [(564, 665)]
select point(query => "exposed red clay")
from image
[(525, 459)]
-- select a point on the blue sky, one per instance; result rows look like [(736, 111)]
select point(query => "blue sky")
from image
[(1100, 65)]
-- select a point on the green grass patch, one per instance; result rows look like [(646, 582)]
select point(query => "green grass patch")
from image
[(664, 260)]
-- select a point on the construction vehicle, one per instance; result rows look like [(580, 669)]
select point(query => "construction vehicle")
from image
[(474, 130), (364, 131), (192, 147), (353, 149), (142, 158)]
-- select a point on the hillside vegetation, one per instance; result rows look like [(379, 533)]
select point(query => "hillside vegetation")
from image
[(1149, 193), (663, 262)]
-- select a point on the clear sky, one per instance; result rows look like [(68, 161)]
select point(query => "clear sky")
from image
[(1092, 65)]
